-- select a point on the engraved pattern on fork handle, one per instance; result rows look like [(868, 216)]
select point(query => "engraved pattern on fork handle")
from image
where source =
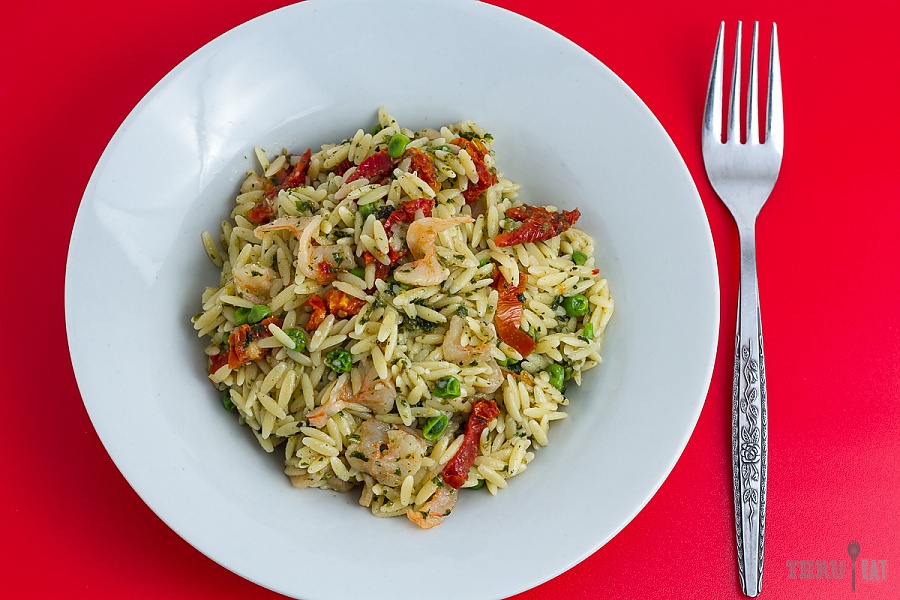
[(749, 424)]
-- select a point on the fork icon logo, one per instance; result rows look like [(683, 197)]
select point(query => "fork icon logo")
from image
[(853, 551)]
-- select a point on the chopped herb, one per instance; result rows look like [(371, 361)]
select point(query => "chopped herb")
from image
[(384, 212), (359, 455), (301, 206), (418, 323)]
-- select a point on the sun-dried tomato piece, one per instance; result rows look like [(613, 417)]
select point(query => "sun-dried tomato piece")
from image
[(476, 150), (325, 273), (423, 167), (406, 212), (381, 269), (456, 471), (263, 211), (374, 166), (242, 342), (508, 315), (342, 167), (318, 314), (342, 304), (298, 175), (218, 361), (267, 207), (538, 224)]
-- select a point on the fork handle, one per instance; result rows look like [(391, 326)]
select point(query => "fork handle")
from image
[(749, 436)]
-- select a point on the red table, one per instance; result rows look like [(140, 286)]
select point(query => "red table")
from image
[(71, 526)]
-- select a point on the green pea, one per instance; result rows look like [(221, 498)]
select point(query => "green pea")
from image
[(366, 209), (240, 315), (443, 147), (579, 258), (298, 336), (226, 400), (588, 332), (483, 262), (339, 360), (397, 145), (575, 306), (359, 272), (447, 387), (557, 376), (434, 427), (258, 313)]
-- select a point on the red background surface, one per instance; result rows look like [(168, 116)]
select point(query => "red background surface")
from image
[(71, 527)]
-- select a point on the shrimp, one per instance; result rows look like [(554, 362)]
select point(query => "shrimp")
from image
[(432, 513), (490, 383), (375, 394), (309, 256), (386, 452), (426, 269), (337, 398), (316, 480), (303, 229), (254, 282), (372, 392), (455, 351)]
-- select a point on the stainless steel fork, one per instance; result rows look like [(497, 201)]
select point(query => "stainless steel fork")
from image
[(743, 175)]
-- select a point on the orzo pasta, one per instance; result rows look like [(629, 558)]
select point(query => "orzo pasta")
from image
[(393, 315)]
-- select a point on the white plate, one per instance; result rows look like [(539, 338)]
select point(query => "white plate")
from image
[(565, 126)]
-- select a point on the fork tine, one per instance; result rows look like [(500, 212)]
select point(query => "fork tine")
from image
[(774, 109), (712, 113), (734, 103), (753, 92)]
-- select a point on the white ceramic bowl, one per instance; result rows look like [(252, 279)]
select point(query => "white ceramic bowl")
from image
[(565, 126)]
